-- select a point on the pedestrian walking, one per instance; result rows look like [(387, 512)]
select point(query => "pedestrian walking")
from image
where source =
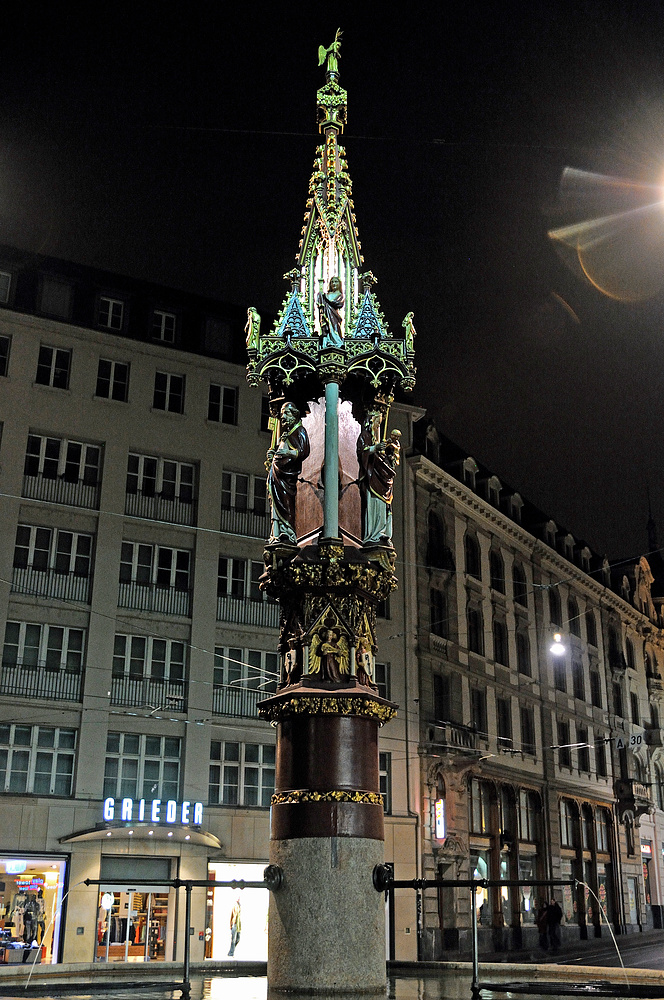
[(542, 921), (554, 917), (235, 926)]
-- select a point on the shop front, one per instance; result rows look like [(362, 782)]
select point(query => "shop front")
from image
[(236, 920), (32, 898), (135, 922)]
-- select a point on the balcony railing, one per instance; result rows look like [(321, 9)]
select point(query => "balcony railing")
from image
[(150, 597), (237, 701), (654, 682), (41, 683), (160, 508), (243, 522), (241, 611), (49, 583), (59, 490), (452, 736), (149, 692)]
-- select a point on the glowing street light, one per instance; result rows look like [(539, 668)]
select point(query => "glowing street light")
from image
[(556, 646)]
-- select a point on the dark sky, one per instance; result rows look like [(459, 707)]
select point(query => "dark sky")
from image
[(176, 145)]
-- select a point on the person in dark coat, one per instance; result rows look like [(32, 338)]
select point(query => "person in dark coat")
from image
[(542, 921), (554, 917)]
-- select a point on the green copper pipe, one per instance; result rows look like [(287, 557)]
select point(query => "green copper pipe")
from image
[(331, 471)]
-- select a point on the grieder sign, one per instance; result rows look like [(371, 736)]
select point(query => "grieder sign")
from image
[(156, 811)]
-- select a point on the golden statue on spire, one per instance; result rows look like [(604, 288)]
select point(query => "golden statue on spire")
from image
[(332, 52)]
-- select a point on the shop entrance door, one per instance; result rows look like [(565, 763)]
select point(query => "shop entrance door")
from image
[(133, 928)]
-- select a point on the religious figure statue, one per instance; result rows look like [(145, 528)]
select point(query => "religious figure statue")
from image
[(332, 52), (252, 328), (410, 332), (330, 304), (364, 662), (284, 465), (378, 461), (328, 654), (643, 581)]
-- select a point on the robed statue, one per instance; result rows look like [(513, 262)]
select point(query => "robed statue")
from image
[(284, 465), (378, 461), (331, 54), (329, 655), (330, 304)]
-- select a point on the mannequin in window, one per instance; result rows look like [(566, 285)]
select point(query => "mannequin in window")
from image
[(31, 918), (41, 917), (17, 911)]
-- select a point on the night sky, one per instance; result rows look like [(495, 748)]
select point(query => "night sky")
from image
[(176, 146)]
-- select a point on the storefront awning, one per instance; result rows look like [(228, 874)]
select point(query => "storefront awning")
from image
[(111, 833)]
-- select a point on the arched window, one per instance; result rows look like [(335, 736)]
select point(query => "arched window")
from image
[(615, 654), (438, 611), (567, 823), (519, 586), (523, 653), (573, 617), (436, 540), (500, 648), (603, 830), (473, 562), (497, 571), (475, 630), (629, 652), (587, 825), (591, 629), (480, 806), (555, 613), (529, 816), (647, 661)]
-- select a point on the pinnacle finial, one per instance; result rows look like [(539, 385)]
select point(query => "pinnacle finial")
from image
[(332, 53)]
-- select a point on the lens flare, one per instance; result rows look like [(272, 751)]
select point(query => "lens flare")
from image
[(619, 245)]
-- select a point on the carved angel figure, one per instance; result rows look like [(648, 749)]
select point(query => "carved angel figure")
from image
[(332, 52), (328, 655), (252, 328)]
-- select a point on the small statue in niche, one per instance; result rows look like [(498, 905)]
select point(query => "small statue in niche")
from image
[(293, 660), (252, 328), (330, 304), (410, 334), (364, 662), (378, 460), (284, 465), (329, 655)]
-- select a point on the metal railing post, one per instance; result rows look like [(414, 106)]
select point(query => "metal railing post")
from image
[(474, 986), (186, 985)]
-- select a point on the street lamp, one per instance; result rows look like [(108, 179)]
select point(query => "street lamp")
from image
[(556, 646)]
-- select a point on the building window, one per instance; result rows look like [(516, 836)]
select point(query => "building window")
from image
[(600, 759), (37, 760), (243, 492), (55, 298), (168, 392), (497, 571), (634, 708), (591, 629), (500, 647), (161, 477), (475, 631), (112, 380), (523, 653), (53, 367), (266, 414), (239, 578), (253, 669), (473, 561), (578, 680), (573, 617), (478, 711), (603, 830), (629, 654), (163, 326), (42, 549), (618, 700), (217, 336), (527, 718), (138, 657), (480, 806), (519, 586), (567, 823), (441, 698), (438, 612), (555, 614), (142, 767), (529, 812), (5, 344), (54, 647), (57, 458), (560, 673), (437, 552), (111, 313), (595, 688), (223, 403), (385, 776), (158, 564), (583, 750), (564, 749), (5, 285), (504, 721), (382, 679), (241, 774)]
